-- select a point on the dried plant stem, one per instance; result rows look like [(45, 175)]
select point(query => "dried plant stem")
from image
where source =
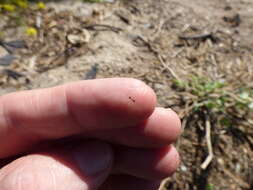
[(209, 158)]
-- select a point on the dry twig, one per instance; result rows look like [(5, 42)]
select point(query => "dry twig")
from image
[(103, 27), (157, 54), (209, 158), (203, 37)]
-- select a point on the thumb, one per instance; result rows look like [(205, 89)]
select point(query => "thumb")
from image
[(84, 167)]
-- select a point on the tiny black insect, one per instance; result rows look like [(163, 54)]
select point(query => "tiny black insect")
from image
[(130, 98)]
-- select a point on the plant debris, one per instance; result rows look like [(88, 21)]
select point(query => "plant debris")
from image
[(234, 21), (7, 59), (202, 37), (11, 46), (78, 37), (91, 74)]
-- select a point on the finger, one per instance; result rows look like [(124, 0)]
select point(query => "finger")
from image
[(147, 163), (125, 182), (81, 168), (76, 108), (162, 128)]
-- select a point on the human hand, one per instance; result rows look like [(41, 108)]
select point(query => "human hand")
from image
[(101, 134)]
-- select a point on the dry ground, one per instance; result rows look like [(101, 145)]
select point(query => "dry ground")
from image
[(176, 47)]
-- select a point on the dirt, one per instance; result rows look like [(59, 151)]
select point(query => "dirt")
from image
[(141, 39)]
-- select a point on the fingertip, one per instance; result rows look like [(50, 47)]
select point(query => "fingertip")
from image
[(173, 121), (168, 165), (163, 127), (151, 164), (142, 97)]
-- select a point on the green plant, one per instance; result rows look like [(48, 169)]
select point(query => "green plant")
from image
[(209, 187), (215, 97), (11, 5)]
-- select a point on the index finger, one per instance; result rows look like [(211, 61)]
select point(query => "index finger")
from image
[(29, 117)]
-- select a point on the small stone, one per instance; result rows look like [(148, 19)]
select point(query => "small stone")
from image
[(183, 168), (81, 37), (220, 161), (158, 86), (3, 51)]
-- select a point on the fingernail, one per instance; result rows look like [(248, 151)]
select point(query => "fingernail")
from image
[(93, 157)]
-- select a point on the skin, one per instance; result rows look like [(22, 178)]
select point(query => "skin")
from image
[(104, 134)]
